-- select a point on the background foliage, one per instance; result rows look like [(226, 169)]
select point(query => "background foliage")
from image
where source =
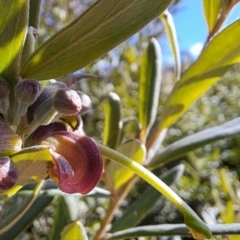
[(207, 178)]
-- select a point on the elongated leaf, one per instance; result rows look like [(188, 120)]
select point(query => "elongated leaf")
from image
[(222, 53), (74, 230), (64, 214), (149, 86), (37, 207), (195, 141), (172, 230), (139, 208), (211, 10), (172, 36), (102, 27), (13, 28), (118, 175), (31, 164), (112, 122)]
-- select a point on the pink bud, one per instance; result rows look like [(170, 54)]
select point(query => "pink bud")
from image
[(67, 102)]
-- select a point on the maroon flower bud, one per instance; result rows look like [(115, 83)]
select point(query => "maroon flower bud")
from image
[(47, 93), (8, 173), (83, 157), (67, 102), (25, 92), (86, 102)]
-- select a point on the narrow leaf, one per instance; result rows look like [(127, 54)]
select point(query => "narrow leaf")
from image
[(13, 28), (37, 207), (102, 27), (170, 29), (74, 230), (195, 141), (212, 10), (149, 86), (146, 201), (172, 230), (112, 122), (222, 53), (64, 214)]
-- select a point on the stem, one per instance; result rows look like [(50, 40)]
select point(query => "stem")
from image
[(114, 203), (225, 12), (195, 224)]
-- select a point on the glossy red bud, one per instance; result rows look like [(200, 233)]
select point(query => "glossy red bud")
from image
[(8, 173)]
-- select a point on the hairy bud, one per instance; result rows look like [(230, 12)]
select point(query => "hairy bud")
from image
[(25, 92), (67, 102)]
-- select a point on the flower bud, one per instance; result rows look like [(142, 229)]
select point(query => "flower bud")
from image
[(25, 92), (46, 93), (8, 173), (67, 102), (86, 102), (84, 158)]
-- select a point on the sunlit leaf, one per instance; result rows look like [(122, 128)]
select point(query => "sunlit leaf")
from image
[(31, 164), (224, 50), (102, 27), (195, 141), (13, 28), (118, 174), (149, 86), (74, 230), (112, 122), (145, 202), (172, 36), (212, 10)]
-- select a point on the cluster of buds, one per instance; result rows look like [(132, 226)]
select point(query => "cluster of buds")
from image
[(49, 116)]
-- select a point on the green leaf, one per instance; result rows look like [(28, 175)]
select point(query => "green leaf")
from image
[(31, 164), (195, 141), (211, 10), (13, 28), (149, 86), (37, 207), (171, 230), (102, 27), (172, 36), (118, 174), (222, 53), (74, 230), (112, 122), (144, 203), (64, 214)]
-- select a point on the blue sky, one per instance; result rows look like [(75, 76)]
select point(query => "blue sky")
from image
[(191, 27)]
